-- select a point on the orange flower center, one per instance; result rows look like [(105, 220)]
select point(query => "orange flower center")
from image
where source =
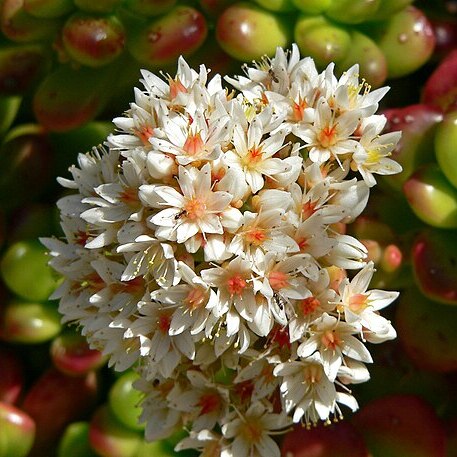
[(256, 236), (253, 157), (195, 209), (194, 144), (129, 196), (236, 285), (308, 209), (309, 305), (330, 339), (358, 302), (298, 109), (312, 373), (327, 136), (176, 87), (144, 133)]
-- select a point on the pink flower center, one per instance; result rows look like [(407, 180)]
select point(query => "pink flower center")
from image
[(236, 284), (308, 209), (279, 335), (129, 196), (278, 280), (194, 144), (330, 339), (144, 133), (302, 243), (164, 323), (208, 403), (358, 303), (196, 298)]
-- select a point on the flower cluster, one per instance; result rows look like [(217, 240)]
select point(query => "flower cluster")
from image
[(206, 247)]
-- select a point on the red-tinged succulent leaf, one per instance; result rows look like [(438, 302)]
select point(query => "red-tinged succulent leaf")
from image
[(432, 197), (160, 41), (19, 26), (20, 67), (12, 376), (335, 440), (393, 373), (445, 31), (388, 7), (93, 40), (48, 8), (418, 124), (246, 31), (440, 89), (446, 147), (17, 431), (406, 39), (124, 401), (214, 8), (75, 441), (71, 354), (434, 258), (401, 426), (54, 401), (426, 330), (365, 52), (392, 258), (451, 433), (25, 158), (352, 11), (29, 322), (322, 39), (68, 98), (109, 438)]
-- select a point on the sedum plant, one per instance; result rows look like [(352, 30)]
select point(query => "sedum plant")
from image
[(205, 246)]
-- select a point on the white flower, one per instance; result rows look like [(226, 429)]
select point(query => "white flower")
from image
[(333, 339), (263, 231), (204, 402), (306, 389), (254, 155), (190, 299), (197, 209), (360, 305), (373, 150), (329, 135), (250, 432), (305, 311), (205, 247), (200, 137)]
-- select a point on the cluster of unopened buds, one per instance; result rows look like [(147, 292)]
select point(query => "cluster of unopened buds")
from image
[(206, 247)]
